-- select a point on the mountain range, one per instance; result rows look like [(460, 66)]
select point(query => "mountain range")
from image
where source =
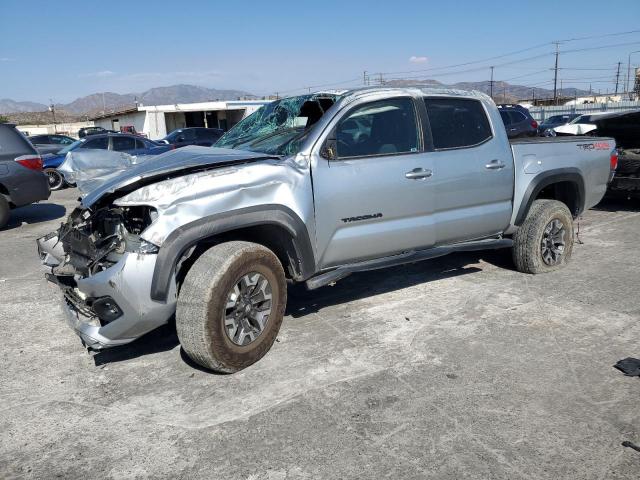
[(503, 92), (96, 102), (108, 100)]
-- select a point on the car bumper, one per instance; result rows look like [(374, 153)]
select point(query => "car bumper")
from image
[(125, 284)]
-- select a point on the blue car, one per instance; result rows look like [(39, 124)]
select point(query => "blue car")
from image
[(117, 142)]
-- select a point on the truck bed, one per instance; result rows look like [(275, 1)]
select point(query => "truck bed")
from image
[(587, 155)]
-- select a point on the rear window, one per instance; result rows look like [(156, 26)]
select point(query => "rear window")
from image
[(457, 122), (12, 143), (517, 117)]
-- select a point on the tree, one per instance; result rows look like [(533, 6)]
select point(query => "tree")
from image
[(4, 119)]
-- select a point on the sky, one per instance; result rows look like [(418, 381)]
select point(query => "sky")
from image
[(62, 50)]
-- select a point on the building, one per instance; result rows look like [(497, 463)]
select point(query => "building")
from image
[(64, 128), (158, 120)]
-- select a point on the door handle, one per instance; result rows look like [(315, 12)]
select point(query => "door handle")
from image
[(418, 173), (494, 165)]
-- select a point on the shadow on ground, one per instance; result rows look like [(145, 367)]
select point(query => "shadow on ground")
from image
[(617, 204), (302, 302), (36, 213), (162, 339)]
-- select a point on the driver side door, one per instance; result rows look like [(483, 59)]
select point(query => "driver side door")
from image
[(374, 198)]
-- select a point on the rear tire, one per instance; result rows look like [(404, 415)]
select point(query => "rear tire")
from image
[(5, 211), (55, 178), (544, 241), (231, 306)]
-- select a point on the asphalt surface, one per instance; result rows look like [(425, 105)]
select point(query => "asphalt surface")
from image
[(454, 368)]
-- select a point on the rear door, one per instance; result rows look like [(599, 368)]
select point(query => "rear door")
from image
[(472, 171), (374, 198)]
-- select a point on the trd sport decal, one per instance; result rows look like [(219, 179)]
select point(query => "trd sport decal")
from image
[(362, 217), (594, 146)]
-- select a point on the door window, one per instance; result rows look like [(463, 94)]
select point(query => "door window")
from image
[(122, 144), (387, 127), (457, 122), (101, 143), (140, 144)]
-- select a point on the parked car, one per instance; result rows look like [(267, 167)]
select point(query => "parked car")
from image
[(213, 235), (193, 136), (624, 127), (21, 179), (556, 121), (86, 131), (518, 121), (50, 143), (119, 142)]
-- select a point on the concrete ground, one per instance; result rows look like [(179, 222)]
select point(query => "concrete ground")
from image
[(454, 368)]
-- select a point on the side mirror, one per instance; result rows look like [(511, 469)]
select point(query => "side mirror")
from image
[(329, 150)]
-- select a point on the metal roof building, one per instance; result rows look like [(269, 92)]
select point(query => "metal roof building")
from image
[(158, 120)]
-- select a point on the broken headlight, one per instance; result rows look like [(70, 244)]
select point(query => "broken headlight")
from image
[(147, 247)]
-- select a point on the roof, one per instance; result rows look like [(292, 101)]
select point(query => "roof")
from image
[(111, 113)]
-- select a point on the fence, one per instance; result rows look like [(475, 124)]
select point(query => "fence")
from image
[(542, 113)]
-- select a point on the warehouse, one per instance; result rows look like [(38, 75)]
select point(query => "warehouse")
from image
[(158, 120)]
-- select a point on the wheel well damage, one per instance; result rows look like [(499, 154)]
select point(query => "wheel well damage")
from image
[(275, 227)]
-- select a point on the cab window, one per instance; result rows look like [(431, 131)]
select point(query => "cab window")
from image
[(387, 127)]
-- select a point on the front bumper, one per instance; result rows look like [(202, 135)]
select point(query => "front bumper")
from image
[(128, 283)]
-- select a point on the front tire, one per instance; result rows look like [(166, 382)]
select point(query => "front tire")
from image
[(55, 178), (231, 306), (544, 241)]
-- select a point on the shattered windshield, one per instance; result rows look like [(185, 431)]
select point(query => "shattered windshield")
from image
[(278, 127)]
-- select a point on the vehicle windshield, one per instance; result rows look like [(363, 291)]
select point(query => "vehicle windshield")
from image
[(279, 127), (68, 148)]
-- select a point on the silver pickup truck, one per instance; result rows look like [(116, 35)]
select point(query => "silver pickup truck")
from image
[(311, 189)]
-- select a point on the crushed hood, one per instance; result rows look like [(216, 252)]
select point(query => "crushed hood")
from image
[(183, 160)]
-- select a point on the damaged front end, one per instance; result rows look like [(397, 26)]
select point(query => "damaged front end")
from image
[(103, 267)]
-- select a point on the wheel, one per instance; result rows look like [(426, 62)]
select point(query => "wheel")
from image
[(231, 305), (56, 180), (4, 211), (544, 241)]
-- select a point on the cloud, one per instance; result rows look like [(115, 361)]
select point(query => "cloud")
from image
[(6, 59), (415, 59), (101, 74)]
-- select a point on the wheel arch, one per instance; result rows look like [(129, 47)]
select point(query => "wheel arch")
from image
[(274, 226), (563, 184)]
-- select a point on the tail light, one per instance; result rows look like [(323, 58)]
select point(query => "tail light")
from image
[(32, 162), (613, 161), (534, 124)]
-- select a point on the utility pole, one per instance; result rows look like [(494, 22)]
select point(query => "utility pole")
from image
[(381, 79), (630, 86), (555, 75), (364, 77), (491, 84), (618, 77), (52, 109)]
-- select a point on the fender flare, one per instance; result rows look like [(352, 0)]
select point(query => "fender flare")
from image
[(190, 234), (545, 179)]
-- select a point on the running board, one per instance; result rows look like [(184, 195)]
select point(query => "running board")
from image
[(402, 258)]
